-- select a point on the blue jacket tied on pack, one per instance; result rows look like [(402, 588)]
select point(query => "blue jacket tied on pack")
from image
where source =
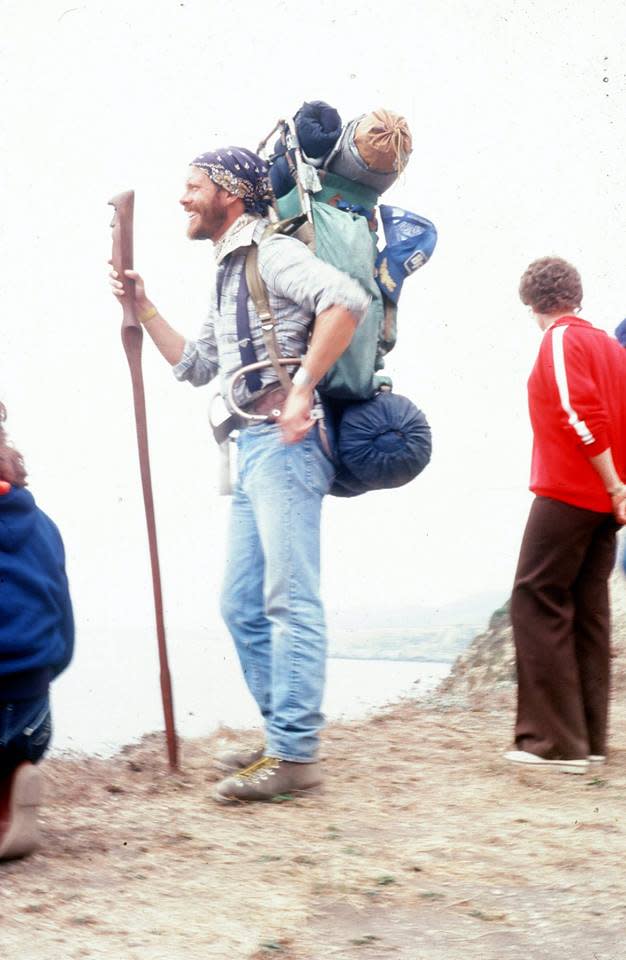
[(36, 620), (411, 240)]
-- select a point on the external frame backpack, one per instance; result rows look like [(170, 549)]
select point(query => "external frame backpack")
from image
[(378, 439)]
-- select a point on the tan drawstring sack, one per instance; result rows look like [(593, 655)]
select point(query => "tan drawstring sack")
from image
[(384, 141)]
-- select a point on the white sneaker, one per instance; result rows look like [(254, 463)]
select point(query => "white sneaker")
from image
[(596, 758), (532, 761)]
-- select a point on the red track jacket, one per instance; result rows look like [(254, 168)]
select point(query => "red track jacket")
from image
[(577, 403)]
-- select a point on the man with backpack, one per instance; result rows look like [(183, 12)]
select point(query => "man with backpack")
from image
[(270, 599)]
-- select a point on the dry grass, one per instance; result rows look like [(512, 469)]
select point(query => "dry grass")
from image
[(424, 845)]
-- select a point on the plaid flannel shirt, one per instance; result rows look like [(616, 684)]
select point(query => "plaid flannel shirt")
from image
[(299, 285)]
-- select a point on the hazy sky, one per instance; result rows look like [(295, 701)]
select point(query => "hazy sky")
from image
[(517, 112)]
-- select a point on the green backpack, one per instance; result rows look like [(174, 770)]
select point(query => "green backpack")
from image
[(344, 239), (376, 439)]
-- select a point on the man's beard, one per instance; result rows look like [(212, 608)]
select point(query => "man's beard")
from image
[(207, 226)]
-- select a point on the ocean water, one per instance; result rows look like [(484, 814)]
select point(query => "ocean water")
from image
[(110, 695)]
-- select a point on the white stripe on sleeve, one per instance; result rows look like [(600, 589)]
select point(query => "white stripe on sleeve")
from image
[(558, 356)]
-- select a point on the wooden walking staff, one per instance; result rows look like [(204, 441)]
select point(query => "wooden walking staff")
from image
[(132, 336)]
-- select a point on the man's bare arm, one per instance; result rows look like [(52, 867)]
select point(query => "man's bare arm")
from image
[(333, 331), (168, 341)]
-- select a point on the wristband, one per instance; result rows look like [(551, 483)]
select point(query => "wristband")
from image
[(302, 377), (148, 315)]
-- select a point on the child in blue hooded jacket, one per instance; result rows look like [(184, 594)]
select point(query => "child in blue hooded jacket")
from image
[(36, 644)]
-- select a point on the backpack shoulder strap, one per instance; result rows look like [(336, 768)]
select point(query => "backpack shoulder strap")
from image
[(258, 292)]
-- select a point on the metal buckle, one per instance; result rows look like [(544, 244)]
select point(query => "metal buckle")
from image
[(259, 365)]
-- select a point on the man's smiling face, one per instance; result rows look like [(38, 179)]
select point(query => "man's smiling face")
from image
[(206, 205)]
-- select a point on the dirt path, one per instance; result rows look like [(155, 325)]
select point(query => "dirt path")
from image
[(425, 846)]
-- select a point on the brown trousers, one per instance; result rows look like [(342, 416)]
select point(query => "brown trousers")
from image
[(561, 625)]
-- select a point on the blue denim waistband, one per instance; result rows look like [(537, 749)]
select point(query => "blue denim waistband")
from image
[(25, 685)]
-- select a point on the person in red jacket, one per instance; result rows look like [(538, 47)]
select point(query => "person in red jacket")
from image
[(560, 601)]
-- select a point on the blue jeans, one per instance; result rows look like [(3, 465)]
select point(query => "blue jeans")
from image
[(25, 731), (270, 600)]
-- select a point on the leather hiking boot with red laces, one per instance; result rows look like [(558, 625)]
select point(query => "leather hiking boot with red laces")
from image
[(20, 794), (232, 760), (268, 779)]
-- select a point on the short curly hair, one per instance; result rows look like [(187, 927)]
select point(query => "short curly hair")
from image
[(551, 284), (12, 468)]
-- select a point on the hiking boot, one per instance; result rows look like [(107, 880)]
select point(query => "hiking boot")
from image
[(20, 794), (269, 778), (232, 760), (530, 761)]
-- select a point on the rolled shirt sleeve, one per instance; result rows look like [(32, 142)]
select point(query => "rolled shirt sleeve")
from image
[(300, 286), (298, 275), (199, 362)]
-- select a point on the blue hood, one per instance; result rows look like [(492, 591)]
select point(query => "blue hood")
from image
[(18, 513)]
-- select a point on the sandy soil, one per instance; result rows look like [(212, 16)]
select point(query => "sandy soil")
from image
[(424, 846)]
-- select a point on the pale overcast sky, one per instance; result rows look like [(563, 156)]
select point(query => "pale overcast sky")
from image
[(517, 112)]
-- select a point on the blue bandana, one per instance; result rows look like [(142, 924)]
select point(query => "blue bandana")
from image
[(240, 172)]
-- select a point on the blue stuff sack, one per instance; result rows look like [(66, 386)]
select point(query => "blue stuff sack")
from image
[(381, 443), (318, 127), (411, 240)]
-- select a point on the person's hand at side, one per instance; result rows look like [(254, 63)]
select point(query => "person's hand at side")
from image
[(618, 503), (295, 421)]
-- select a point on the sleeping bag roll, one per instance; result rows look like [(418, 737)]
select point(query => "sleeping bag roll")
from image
[(381, 443), (318, 126)]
